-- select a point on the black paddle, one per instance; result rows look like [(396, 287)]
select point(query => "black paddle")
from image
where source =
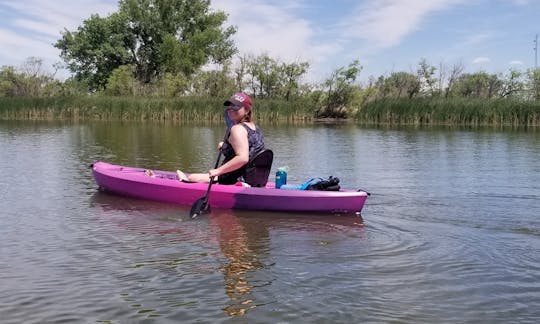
[(201, 205)]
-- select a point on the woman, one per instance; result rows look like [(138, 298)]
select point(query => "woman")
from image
[(244, 140)]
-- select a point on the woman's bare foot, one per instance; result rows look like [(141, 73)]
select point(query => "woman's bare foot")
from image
[(150, 173), (181, 176)]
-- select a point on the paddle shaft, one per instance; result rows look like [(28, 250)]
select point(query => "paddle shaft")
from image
[(207, 195), (229, 124), (201, 204)]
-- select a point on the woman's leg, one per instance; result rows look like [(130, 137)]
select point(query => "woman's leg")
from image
[(193, 177), (199, 177)]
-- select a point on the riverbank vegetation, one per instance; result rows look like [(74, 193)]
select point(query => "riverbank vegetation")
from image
[(195, 108), (148, 61)]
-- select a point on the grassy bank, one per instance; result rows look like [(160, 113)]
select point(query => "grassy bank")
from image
[(460, 111), (422, 111), (143, 109)]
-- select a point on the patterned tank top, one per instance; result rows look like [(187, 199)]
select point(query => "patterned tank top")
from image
[(256, 144)]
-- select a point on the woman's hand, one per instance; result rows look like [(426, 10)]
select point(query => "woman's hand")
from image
[(220, 145), (213, 173)]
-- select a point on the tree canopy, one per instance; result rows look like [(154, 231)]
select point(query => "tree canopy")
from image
[(153, 36)]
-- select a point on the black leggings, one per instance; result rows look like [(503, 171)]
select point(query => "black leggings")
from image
[(231, 177)]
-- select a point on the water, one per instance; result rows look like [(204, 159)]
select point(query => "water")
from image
[(451, 232)]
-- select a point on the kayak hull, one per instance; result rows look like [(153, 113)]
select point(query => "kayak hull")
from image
[(165, 187)]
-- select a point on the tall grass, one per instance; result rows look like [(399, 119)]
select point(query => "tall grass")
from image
[(186, 109), (421, 111), (454, 111)]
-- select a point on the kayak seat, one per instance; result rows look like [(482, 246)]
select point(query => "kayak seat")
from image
[(258, 169)]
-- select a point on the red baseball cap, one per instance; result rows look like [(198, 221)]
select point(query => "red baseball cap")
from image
[(237, 101)]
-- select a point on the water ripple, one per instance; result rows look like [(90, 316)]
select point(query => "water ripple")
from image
[(449, 234)]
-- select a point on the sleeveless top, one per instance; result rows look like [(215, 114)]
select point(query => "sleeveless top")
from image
[(255, 140), (256, 144)]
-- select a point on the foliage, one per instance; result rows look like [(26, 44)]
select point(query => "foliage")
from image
[(421, 97), (534, 83), (185, 109), (154, 36), (213, 83), (426, 79), (512, 85), (455, 111), (30, 80), (339, 90), (121, 82), (266, 77), (173, 85), (292, 74), (478, 85), (97, 48), (398, 85), (263, 76)]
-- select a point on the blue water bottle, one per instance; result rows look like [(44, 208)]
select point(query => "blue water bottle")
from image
[(281, 177)]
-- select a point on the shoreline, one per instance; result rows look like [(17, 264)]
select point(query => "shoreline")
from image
[(414, 112)]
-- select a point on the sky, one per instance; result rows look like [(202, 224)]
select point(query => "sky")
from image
[(384, 35)]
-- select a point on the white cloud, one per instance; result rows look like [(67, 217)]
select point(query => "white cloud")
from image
[(15, 49), (516, 63), (284, 29), (273, 29), (276, 29), (385, 23), (38, 24), (61, 14), (481, 59), (478, 38), (37, 27)]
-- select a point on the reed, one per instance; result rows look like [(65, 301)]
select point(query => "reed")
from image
[(185, 109), (420, 111), (454, 111)]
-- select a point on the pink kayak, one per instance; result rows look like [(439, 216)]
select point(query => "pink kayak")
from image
[(164, 186)]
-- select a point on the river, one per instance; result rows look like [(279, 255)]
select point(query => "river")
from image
[(450, 233)]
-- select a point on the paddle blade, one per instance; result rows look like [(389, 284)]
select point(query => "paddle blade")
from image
[(200, 206), (228, 120)]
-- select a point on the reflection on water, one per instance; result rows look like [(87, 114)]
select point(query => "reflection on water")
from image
[(449, 234), (239, 241), (238, 245)]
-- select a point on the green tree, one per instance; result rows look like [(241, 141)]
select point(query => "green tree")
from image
[(267, 77), (154, 36), (426, 77), (98, 47), (173, 85), (398, 85), (478, 85), (9, 82), (29, 80), (340, 90), (292, 73), (264, 73), (456, 71), (240, 72), (512, 84), (214, 83), (534, 83), (121, 82)]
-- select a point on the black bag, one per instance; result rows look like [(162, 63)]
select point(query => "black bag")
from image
[(332, 184)]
